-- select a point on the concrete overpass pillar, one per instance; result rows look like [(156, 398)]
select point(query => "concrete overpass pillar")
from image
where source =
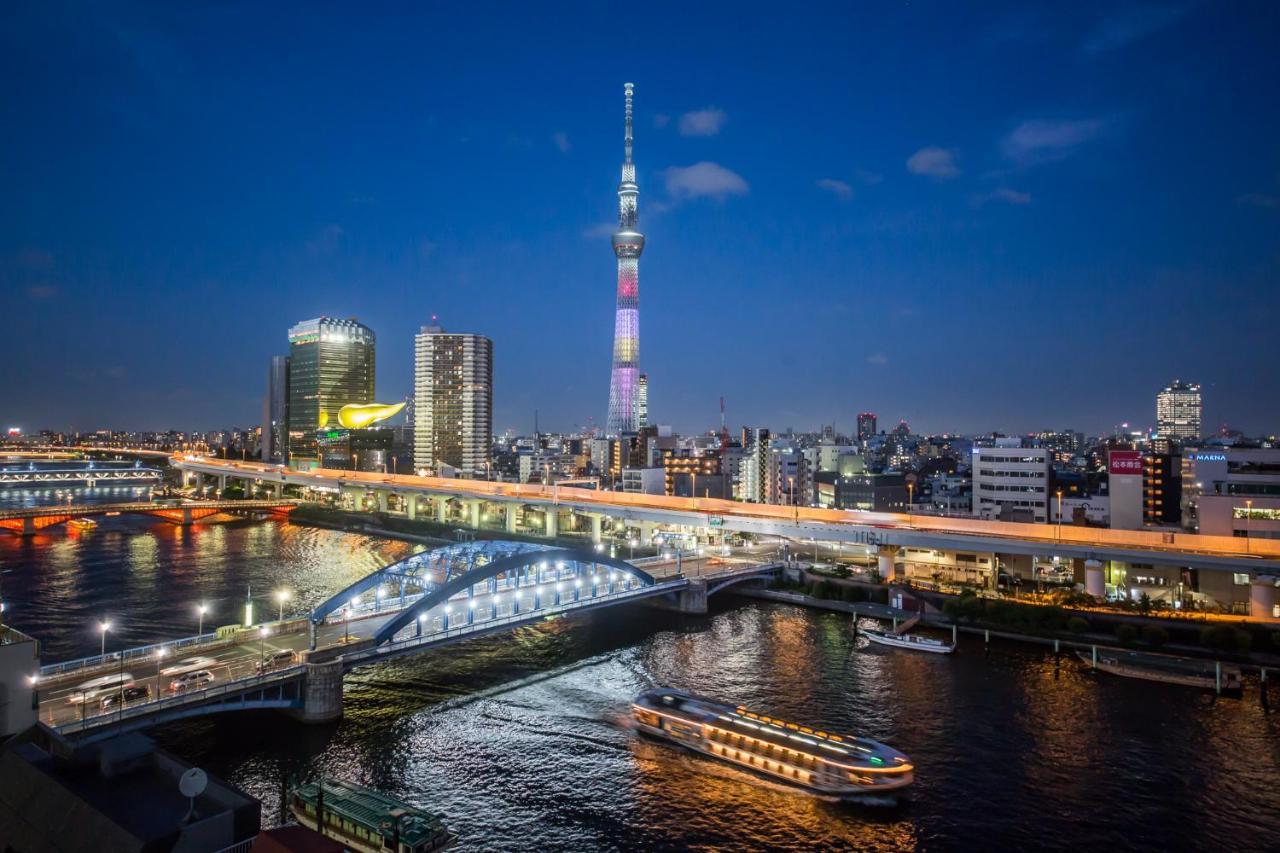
[(355, 494), (597, 527), (321, 693), (1262, 597), (277, 490), (411, 507), (382, 499), (552, 519), (199, 482), (513, 517), (222, 484), (473, 514), (885, 563), (442, 510), (1094, 583)]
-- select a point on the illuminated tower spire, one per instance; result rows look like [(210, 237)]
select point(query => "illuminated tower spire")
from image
[(628, 243)]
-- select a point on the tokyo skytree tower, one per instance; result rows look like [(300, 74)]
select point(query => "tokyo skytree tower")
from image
[(628, 243)]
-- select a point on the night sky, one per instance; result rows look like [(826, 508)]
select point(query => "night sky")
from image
[(972, 217)]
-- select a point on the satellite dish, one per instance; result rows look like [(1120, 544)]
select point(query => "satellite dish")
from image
[(193, 782)]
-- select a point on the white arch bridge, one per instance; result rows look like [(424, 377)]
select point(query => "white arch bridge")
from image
[(423, 602)]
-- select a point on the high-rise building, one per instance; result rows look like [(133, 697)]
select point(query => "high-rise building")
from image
[(453, 402), (331, 365), (866, 425), (1179, 411), (275, 412), (1010, 482), (628, 243), (642, 401)]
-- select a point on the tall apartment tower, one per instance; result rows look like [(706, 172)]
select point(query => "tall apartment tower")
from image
[(453, 402), (1179, 411), (275, 412), (628, 244), (332, 364), (642, 402), (866, 425)]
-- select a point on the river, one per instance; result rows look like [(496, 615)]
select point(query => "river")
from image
[(521, 740)]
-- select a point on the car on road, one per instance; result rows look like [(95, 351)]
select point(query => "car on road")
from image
[(130, 694), (276, 660), (95, 687), (191, 681), (189, 665)]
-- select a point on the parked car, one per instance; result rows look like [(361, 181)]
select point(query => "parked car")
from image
[(191, 681), (132, 693), (95, 687), (276, 660)]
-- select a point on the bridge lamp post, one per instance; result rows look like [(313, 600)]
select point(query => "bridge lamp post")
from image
[(558, 587), (471, 611), (104, 626), (262, 649), (201, 610), (577, 589), (493, 606), (632, 543), (447, 611), (537, 597), (160, 653), (282, 595)]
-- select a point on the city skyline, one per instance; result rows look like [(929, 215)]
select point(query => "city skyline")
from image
[(1047, 254)]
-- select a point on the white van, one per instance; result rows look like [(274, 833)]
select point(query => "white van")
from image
[(95, 687)]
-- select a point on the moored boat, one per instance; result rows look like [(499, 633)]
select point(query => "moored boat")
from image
[(907, 641), (366, 820), (1167, 670), (818, 761), (82, 523)]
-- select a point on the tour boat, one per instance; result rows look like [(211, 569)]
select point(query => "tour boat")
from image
[(1167, 669), (907, 641), (820, 762), (366, 820), (82, 523)]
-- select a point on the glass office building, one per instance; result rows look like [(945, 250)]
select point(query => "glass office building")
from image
[(331, 365)]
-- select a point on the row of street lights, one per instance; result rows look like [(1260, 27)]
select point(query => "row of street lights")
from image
[(202, 609)]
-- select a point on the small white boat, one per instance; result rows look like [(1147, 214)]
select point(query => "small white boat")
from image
[(908, 641)]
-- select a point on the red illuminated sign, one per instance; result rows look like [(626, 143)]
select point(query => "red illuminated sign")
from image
[(1125, 462)]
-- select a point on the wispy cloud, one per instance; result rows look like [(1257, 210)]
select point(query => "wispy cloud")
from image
[(703, 180), (1043, 140), (1004, 194), (1258, 200), (934, 162), (561, 140), (837, 188), (703, 122), (879, 359), (1132, 23)]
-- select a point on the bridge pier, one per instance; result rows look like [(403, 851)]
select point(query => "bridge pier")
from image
[(552, 521), (597, 527), (692, 599), (321, 693), (513, 517), (1262, 597), (473, 513), (1094, 583), (411, 507), (382, 500), (442, 510), (884, 562)]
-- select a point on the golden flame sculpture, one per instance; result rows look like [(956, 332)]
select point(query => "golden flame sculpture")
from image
[(361, 415)]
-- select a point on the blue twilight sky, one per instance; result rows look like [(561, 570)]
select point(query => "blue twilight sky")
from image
[(973, 217)]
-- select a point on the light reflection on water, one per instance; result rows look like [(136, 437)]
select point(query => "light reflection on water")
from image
[(522, 741)]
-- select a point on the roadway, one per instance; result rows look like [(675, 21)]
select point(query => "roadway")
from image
[(801, 523)]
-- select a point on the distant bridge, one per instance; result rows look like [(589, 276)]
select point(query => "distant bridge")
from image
[(28, 521), (421, 603), (76, 476)]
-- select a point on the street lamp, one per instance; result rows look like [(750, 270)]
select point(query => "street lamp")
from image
[(1248, 524), (104, 626), (282, 595), (160, 653), (1059, 513), (201, 609)]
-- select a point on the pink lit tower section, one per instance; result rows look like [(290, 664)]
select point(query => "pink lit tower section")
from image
[(628, 243)]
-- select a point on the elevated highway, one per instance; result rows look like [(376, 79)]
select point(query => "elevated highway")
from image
[(450, 498)]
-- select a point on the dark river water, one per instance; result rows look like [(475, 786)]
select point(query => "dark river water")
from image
[(521, 740)]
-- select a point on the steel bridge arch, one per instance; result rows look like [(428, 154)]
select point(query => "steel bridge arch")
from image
[(414, 567), (450, 588)]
